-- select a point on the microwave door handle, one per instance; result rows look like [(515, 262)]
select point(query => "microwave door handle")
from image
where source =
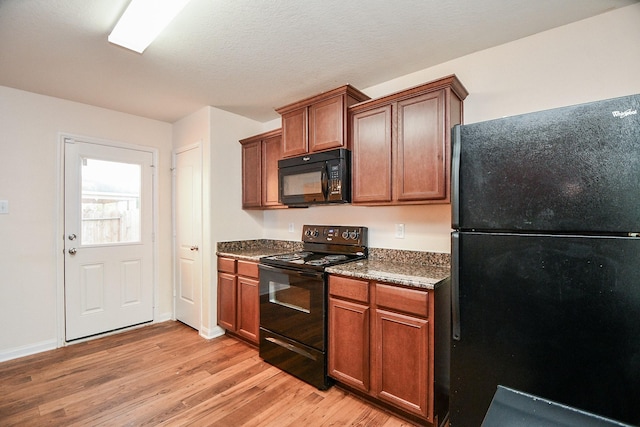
[(325, 183)]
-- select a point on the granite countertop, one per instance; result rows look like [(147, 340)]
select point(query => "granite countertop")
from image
[(425, 270), (253, 250), (417, 269)]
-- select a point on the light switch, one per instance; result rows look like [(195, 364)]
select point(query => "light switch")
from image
[(4, 207), (399, 231), (290, 227)]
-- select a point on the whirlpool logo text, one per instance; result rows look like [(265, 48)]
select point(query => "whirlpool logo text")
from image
[(622, 114)]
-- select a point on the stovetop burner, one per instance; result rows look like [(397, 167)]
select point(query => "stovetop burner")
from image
[(331, 258), (327, 260), (292, 256)]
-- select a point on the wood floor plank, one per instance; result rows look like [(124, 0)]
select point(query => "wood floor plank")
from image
[(167, 375), (281, 411)]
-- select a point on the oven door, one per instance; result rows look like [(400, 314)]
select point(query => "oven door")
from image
[(303, 184), (293, 304)]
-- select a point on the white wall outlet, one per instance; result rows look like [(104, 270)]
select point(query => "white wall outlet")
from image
[(291, 227), (4, 207), (399, 231)]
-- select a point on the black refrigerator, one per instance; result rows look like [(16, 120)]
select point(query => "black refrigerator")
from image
[(546, 260)]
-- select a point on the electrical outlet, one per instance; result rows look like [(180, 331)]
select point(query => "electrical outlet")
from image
[(290, 227), (399, 231), (4, 206)]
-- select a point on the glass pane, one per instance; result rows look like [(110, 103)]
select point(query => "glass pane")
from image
[(110, 202), (303, 183), (290, 296)]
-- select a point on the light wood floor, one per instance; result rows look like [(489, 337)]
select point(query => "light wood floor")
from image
[(165, 374)]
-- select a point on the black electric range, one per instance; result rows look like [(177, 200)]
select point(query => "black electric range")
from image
[(294, 297)]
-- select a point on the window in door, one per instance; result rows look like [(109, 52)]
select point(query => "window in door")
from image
[(110, 202)]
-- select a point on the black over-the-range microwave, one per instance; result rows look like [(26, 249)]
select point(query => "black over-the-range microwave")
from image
[(316, 178)]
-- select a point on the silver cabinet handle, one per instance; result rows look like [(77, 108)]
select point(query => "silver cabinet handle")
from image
[(194, 248), (72, 251)]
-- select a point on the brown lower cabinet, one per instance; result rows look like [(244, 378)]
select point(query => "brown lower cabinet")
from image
[(238, 298), (382, 343)]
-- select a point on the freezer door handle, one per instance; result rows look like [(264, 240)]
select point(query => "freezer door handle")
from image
[(455, 286)]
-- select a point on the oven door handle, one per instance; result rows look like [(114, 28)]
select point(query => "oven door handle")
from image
[(291, 347), (315, 274)]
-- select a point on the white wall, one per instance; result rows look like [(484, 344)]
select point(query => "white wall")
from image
[(228, 220), (223, 218), (196, 129), (593, 59), (29, 176)]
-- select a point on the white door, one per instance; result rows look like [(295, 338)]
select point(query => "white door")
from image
[(108, 238), (188, 235)]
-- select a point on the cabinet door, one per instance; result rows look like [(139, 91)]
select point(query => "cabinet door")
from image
[(326, 124), (401, 361), (271, 153), (420, 153), (251, 175), (227, 301), (248, 306), (349, 343), (371, 163), (294, 133)]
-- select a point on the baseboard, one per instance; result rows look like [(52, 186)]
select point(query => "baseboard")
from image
[(215, 332), (28, 350), (159, 318)]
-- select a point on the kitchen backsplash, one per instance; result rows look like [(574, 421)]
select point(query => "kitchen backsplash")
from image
[(410, 257), (249, 245)]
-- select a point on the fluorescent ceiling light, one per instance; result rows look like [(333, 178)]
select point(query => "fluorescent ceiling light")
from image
[(143, 20)]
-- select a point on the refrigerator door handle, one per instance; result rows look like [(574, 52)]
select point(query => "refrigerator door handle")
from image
[(455, 177), (455, 286)]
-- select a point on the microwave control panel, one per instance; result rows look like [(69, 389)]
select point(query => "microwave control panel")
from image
[(337, 186), (335, 181)]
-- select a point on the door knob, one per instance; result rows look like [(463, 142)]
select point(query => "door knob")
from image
[(194, 248), (72, 237), (72, 251)]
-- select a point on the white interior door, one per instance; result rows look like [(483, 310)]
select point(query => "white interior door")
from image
[(108, 238), (188, 235)]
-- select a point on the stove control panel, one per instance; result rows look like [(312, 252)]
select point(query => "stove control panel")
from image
[(332, 234)]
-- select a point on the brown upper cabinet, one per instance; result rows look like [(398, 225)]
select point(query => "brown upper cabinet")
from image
[(318, 123), (401, 144), (260, 155)]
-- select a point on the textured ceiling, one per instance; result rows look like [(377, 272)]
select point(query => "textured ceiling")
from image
[(249, 57)]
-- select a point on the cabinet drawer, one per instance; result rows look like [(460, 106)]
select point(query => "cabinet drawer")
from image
[(248, 269), (401, 299), (357, 290), (227, 265)]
